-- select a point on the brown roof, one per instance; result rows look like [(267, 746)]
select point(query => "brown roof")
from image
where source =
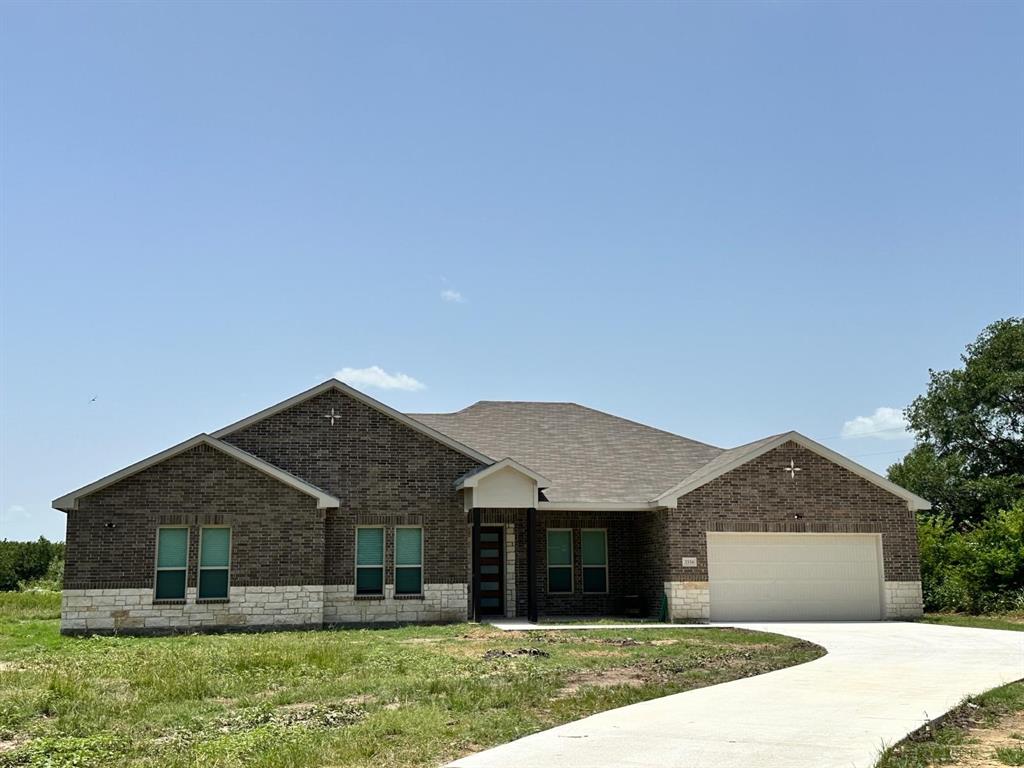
[(588, 455)]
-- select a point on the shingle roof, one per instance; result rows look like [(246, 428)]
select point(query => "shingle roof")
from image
[(588, 455)]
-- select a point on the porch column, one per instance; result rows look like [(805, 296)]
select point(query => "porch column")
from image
[(531, 564), (476, 563)]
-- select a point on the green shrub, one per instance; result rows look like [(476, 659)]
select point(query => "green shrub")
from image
[(23, 561), (975, 571)]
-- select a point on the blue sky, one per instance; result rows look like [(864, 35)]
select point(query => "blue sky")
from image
[(725, 220)]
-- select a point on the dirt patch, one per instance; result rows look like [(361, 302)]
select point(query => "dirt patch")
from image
[(634, 677), (9, 745), (360, 699), (601, 654), (980, 752), (500, 653)]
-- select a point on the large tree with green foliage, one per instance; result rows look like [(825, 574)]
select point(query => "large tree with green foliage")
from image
[(969, 458)]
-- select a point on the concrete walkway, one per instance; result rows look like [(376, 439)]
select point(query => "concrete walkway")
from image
[(878, 682)]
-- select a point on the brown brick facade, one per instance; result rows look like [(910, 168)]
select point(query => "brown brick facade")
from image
[(382, 471), (386, 473), (277, 532), (760, 496)]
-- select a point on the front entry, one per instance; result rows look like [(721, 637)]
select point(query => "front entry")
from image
[(492, 571)]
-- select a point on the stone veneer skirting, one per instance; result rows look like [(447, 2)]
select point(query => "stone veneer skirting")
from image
[(132, 610), (688, 600), (440, 602), (691, 600), (903, 600)]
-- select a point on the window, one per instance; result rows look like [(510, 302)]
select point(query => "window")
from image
[(369, 561), (408, 561), (214, 563), (559, 560), (171, 559), (594, 554)]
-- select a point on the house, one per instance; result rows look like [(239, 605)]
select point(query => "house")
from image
[(332, 508)]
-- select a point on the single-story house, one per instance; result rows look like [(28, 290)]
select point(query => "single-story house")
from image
[(332, 508)]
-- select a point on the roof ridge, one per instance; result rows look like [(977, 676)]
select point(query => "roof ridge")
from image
[(575, 405)]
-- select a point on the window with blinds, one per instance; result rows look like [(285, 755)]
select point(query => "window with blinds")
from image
[(594, 558), (559, 560), (408, 561), (171, 562), (214, 562), (369, 561)]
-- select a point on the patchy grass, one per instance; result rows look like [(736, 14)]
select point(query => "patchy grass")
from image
[(983, 731), (1012, 621), (412, 696)]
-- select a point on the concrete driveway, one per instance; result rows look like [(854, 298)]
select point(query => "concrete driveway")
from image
[(878, 682)]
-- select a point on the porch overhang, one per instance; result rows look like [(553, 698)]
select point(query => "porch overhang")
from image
[(506, 483)]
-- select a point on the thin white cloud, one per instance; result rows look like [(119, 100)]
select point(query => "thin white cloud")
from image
[(378, 378), (16, 510), (450, 294), (883, 424)]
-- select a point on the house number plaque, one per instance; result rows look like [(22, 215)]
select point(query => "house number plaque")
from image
[(689, 562)]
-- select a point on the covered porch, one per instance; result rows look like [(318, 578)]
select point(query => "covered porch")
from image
[(531, 560)]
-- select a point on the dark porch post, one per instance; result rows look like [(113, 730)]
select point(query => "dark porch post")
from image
[(531, 564), (476, 563)]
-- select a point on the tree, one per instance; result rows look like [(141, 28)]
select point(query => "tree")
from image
[(969, 460)]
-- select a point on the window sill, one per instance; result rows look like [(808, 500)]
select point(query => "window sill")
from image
[(174, 601), (410, 597), (369, 597), (212, 600)]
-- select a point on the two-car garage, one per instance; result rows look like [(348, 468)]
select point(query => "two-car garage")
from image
[(795, 576)]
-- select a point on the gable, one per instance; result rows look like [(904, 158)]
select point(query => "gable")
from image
[(364, 456), (197, 445), (758, 477), (334, 385)]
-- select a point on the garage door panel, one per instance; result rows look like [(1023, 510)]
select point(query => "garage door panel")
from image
[(794, 577)]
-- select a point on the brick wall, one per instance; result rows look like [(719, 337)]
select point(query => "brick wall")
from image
[(383, 472), (759, 496), (277, 532)]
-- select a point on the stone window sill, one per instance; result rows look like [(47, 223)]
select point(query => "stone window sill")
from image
[(369, 597), (212, 600), (409, 597), (168, 602)]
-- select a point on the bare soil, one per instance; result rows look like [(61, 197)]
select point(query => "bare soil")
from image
[(980, 751)]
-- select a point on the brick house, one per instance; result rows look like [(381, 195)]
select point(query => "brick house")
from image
[(332, 508)]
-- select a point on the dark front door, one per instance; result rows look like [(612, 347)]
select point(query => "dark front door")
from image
[(492, 572)]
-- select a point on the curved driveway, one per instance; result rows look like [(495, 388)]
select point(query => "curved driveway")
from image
[(877, 683)]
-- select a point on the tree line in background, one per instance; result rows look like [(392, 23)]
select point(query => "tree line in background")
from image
[(969, 463), (31, 564)]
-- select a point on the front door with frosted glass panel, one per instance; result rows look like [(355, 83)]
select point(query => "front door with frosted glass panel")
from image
[(492, 572)]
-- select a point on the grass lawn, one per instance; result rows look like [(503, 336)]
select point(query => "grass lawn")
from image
[(412, 696), (1012, 621), (985, 731)]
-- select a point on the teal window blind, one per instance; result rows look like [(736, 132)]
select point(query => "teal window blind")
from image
[(369, 561), (594, 557), (214, 560), (171, 560), (559, 561), (408, 561)]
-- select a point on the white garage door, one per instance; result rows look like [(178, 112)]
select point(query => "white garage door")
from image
[(795, 577)]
